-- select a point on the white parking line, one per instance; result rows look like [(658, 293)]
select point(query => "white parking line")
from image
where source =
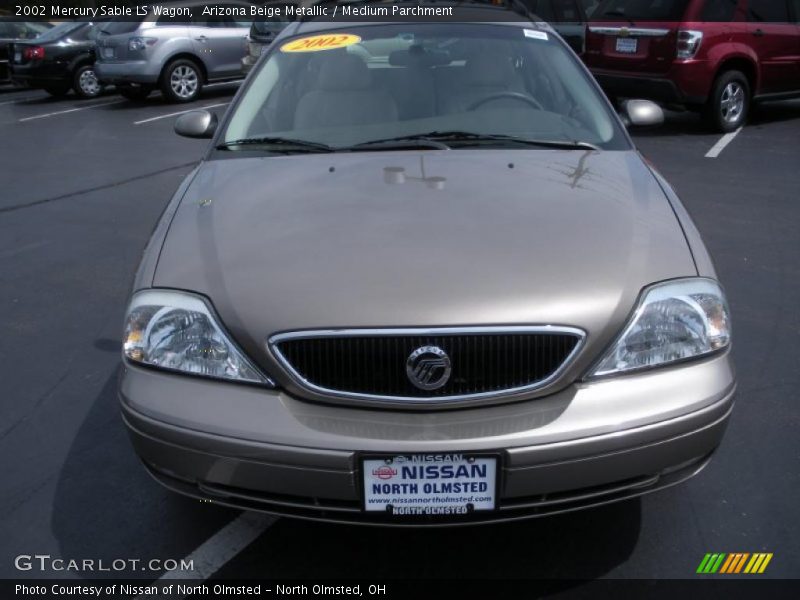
[(71, 110), (211, 555), (21, 100), (720, 145), (179, 113)]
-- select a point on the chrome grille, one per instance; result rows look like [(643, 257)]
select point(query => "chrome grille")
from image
[(372, 363)]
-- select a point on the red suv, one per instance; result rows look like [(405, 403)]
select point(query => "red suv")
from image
[(714, 56)]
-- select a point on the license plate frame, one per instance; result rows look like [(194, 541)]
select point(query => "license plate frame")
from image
[(627, 45), (368, 462)]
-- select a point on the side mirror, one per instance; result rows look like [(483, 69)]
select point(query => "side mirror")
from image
[(196, 124), (642, 113)]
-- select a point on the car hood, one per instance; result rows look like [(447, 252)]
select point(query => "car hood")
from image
[(416, 239)]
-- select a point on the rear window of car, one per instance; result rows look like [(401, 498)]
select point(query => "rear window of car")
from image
[(270, 25), (556, 11), (589, 6), (59, 31), (718, 10), (642, 10), (117, 26), (768, 11)]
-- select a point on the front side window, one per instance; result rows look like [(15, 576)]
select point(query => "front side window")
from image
[(353, 86)]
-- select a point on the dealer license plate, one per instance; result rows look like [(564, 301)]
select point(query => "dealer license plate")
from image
[(430, 484), (627, 45)]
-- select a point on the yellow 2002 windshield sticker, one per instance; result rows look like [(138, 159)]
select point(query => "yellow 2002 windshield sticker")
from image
[(315, 43)]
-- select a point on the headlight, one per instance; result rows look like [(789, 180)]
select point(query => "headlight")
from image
[(674, 321), (178, 331)]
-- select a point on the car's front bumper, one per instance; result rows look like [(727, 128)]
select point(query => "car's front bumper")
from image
[(586, 445), (142, 72)]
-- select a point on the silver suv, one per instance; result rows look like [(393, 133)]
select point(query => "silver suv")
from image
[(178, 51)]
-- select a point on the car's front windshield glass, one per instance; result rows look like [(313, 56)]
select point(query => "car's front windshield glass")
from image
[(348, 87)]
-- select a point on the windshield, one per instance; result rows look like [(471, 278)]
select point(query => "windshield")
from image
[(354, 86), (641, 10)]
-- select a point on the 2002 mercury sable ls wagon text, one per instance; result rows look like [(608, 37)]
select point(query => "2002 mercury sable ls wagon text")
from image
[(422, 276)]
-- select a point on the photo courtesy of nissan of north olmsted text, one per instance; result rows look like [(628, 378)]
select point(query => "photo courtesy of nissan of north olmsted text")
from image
[(400, 299)]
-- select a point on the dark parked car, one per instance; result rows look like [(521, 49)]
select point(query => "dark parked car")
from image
[(58, 61), (11, 30), (713, 56)]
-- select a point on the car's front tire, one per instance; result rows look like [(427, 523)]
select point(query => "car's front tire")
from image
[(729, 103), (85, 82), (182, 80)]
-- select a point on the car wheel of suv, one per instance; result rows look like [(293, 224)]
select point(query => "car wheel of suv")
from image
[(57, 90), (85, 82), (135, 94), (182, 81), (729, 103)]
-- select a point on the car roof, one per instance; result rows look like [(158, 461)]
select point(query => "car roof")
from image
[(476, 12)]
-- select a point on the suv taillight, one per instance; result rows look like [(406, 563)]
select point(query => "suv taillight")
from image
[(689, 42), (33, 53)]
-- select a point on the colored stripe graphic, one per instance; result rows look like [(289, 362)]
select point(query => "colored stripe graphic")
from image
[(717, 564), (740, 564), (765, 563), (711, 563), (703, 563), (758, 563), (724, 563), (732, 558)]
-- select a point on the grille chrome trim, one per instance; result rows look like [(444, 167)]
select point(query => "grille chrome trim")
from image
[(304, 383), (630, 31)]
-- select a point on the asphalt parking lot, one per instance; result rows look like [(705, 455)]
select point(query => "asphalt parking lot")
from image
[(82, 184)]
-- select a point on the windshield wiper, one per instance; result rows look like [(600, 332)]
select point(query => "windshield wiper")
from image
[(422, 140), (284, 144), (443, 138), (472, 137)]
